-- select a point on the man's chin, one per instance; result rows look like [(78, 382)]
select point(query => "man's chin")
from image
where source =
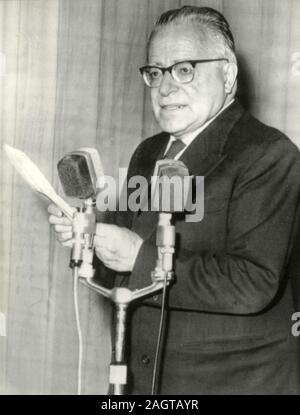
[(173, 129)]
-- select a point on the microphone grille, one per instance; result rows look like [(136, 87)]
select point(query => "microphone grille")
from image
[(75, 177)]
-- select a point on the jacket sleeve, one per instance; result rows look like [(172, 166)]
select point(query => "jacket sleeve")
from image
[(246, 276)]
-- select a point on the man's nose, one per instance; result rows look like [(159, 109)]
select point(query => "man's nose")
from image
[(168, 84)]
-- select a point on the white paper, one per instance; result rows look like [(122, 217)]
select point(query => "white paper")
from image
[(35, 178)]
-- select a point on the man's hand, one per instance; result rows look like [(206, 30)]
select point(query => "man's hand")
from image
[(117, 247), (62, 225)]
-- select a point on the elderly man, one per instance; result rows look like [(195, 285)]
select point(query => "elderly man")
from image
[(229, 310)]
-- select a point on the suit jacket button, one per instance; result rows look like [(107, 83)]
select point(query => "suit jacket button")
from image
[(145, 359)]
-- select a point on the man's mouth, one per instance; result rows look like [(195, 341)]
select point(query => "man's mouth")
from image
[(172, 107)]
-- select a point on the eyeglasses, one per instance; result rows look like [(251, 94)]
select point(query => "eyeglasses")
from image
[(181, 72)]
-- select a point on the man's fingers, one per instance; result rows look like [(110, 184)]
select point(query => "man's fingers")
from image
[(54, 220), (63, 228), (64, 236), (54, 210), (117, 247), (67, 244), (105, 245), (104, 254), (108, 261)]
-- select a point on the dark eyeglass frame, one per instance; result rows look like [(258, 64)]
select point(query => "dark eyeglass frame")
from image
[(169, 69)]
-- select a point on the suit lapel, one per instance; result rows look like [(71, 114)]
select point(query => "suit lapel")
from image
[(206, 152)]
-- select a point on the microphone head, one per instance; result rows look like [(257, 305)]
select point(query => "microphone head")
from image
[(171, 186), (79, 171)]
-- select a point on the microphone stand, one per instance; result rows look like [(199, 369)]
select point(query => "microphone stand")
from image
[(82, 256)]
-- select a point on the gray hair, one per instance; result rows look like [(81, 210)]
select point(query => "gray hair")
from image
[(212, 23)]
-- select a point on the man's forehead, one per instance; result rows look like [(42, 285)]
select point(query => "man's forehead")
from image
[(179, 39)]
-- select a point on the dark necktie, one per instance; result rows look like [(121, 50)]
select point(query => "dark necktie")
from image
[(174, 149)]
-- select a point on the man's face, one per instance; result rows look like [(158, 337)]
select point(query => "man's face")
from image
[(182, 108)]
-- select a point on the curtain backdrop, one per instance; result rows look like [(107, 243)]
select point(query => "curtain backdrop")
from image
[(69, 78)]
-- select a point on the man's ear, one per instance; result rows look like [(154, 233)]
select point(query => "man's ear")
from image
[(230, 73)]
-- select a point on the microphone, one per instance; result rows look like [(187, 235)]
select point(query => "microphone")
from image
[(79, 172), (170, 188)]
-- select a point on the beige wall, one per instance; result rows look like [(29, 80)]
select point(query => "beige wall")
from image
[(71, 79)]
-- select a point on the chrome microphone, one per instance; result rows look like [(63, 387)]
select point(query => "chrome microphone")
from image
[(169, 194), (79, 172)]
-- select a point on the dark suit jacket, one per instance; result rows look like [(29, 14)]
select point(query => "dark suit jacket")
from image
[(229, 310)]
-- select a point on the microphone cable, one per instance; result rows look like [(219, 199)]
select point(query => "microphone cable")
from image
[(160, 337), (79, 332)]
